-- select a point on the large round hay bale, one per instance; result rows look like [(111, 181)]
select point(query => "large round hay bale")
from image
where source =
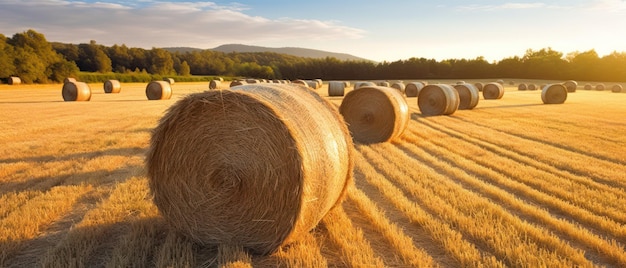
[(76, 91), (159, 90), (399, 86), (438, 99), (112, 86), (570, 85), (468, 96), (479, 86), (69, 79), (375, 113), (600, 87), (169, 80), (235, 83), (14, 80), (522, 86), (617, 88), (554, 94), (336, 88), (215, 84), (413, 88), (588, 87), (493, 91), (257, 166)]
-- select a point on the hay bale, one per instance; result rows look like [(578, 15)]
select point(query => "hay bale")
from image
[(69, 79), (257, 166), (159, 90), (219, 79), (493, 91), (252, 81), (169, 80), (479, 86), (14, 80), (346, 83), (617, 88), (570, 85), (300, 81), (412, 89), (438, 99), (511, 83), (554, 94), (312, 84), (501, 82), (112, 86), (319, 83), (588, 87), (361, 84), (215, 84), (532, 87), (600, 87), (235, 83), (76, 91), (383, 83), (461, 82), (375, 114), (468, 96), (336, 88), (399, 86), (522, 86)]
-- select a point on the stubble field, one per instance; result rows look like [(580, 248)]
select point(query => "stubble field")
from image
[(512, 183)]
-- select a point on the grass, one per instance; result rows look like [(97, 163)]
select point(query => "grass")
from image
[(512, 182)]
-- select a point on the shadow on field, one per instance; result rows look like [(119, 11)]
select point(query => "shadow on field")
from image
[(50, 158), (509, 106)]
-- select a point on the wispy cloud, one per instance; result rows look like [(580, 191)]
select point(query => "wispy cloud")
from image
[(160, 24), (505, 6), (608, 5)]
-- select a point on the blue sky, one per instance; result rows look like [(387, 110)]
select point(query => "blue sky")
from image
[(379, 30)]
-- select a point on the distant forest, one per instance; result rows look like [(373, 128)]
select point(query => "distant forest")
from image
[(31, 57)]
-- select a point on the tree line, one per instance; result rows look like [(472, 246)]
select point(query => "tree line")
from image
[(31, 57)]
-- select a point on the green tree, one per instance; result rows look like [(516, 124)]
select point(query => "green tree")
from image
[(184, 70), (6, 58), (161, 62), (92, 58)]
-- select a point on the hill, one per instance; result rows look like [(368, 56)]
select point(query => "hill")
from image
[(295, 51)]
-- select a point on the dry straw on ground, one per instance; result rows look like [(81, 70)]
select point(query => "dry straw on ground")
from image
[(257, 166), (14, 80), (215, 84), (375, 114), (413, 88), (336, 88), (468, 96), (554, 94), (494, 91), (438, 99), (112, 86), (570, 85), (617, 88), (76, 91), (159, 90)]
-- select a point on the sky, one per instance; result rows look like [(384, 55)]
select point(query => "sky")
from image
[(378, 30)]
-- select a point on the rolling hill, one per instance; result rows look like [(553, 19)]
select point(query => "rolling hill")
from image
[(295, 51)]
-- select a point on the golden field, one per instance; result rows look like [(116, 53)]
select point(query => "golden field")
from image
[(511, 183)]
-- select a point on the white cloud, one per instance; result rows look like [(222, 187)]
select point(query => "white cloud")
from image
[(505, 6), (609, 5), (160, 24)]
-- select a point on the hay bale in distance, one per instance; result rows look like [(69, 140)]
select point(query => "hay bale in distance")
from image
[(159, 90), (412, 89), (468, 96), (375, 114), (336, 88), (438, 99), (76, 91), (570, 85), (399, 86), (69, 79), (112, 86), (493, 91), (554, 94), (532, 86), (215, 84), (14, 80), (358, 85), (301, 82), (235, 83), (383, 83), (600, 87), (257, 166), (588, 87), (522, 86), (479, 86), (617, 88), (169, 80), (500, 81)]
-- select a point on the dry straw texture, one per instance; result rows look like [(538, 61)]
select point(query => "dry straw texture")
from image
[(554, 94), (522, 86), (14, 80), (468, 96), (479, 86), (159, 90), (438, 99), (375, 114), (617, 88), (413, 88), (215, 84), (600, 87), (257, 166), (336, 88), (493, 91), (112, 86), (76, 91), (570, 85)]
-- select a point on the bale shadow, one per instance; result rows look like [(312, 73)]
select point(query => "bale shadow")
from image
[(47, 158)]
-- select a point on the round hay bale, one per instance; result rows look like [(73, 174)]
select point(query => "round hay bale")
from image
[(375, 114), (215, 84), (383, 83), (14, 80), (399, 86), (336, 88), (76, 91), (532, 87), (468, 96), (159, 90), (112, 86), (301, 82), (412, 89), (169, 80), (69, 79), (253, 81), (511, 83), (588, 87), (219, 79), (438, 99), (257, 166), (522, 86), (600, 87), (346, 83), (319, 83), (361, 84), (235, 83), (461, 82), (493, 91), (479, 86), (312, 84), (501, 82), (554, 94), (617, 88), (570, 85)]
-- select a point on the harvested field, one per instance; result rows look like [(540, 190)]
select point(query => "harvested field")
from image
[(511, 183)]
